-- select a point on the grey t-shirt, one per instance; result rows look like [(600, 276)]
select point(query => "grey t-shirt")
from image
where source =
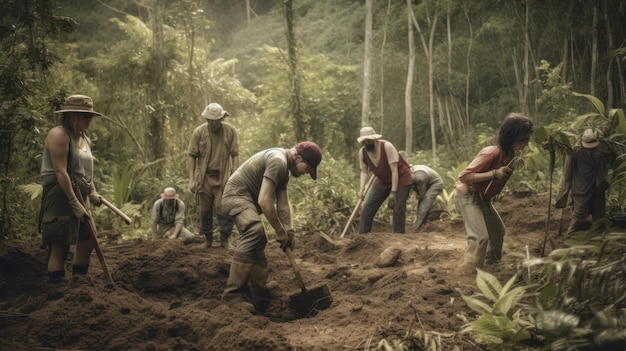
[(247, 180)]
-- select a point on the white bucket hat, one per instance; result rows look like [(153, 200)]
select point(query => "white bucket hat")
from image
[(214, 111), (368, 133), (590, 138)]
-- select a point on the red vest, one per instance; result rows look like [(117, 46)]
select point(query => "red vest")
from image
[(383, 171)]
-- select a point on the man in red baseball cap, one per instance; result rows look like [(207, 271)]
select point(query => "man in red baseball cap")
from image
[(259, 186)]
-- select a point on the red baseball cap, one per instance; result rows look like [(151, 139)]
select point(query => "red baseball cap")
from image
[(311, 154)]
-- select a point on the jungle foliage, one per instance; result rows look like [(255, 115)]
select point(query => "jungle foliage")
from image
[(152, 66)]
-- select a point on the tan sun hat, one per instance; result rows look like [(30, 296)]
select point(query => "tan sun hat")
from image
[(78, 103), (590, 138), (214, 111), (368, 133), (169, 193)]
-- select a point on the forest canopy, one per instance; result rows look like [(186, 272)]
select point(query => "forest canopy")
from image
[(440, 77)]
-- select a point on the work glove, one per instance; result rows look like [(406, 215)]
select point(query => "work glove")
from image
[(561, 198), (193, 187), (502, 172), (78, 209), (286, 239), (94, 198), (391, 203)]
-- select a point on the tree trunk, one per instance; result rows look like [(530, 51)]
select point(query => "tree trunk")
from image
[(468, 67), (429, 52), (296, 109), (157, 81), (609, 70), (365, 107), (408, 90), (382, 65), (594, 50)]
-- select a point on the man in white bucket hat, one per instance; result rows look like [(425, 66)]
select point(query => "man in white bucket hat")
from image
[(584, 174), (213, 157)]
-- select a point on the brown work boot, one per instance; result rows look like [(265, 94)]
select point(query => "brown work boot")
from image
[(208, 243), (237, 286), (224, 240), (258, 285), (474, 256)]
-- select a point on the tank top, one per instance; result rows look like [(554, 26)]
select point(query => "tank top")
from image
[(81, 162)]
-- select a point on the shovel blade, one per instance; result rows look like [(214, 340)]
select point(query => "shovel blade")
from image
[(309, 302)]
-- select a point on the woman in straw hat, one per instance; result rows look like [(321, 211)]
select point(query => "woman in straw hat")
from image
[(67, 158)]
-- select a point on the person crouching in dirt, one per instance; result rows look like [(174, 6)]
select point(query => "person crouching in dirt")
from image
[(584, 173), (168, 218), (259, 186), (482, 180), (66, 159), (394, 180), (427, 184)]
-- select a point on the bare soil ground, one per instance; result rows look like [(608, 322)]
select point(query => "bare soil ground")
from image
[(167, 296)]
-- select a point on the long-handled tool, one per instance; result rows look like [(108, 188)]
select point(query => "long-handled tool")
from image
[(310, 301), (94, 236), (358, 205), (116, 210)]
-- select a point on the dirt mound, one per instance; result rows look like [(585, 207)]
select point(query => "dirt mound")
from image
[(167, 296)]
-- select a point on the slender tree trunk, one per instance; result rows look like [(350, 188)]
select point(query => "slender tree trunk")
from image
[(248, 12), (156, 114), (408, 90), (296, 108), (468, 67), (566, 35), (428, 52), (609, 70), (365, 107), (526, 63), (382, 66), (594, 50)]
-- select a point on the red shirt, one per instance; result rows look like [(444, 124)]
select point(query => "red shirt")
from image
[(489, 158)]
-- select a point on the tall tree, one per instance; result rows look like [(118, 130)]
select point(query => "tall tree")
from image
[(294, 77), (157, 84), (367, 62), (408, 89), (428, 46)]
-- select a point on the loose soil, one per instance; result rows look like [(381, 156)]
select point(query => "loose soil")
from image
[(166, 295)]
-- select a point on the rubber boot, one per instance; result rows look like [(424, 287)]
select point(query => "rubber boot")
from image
[(224, 239), (206, 227), (237, 285), (258, 285), (474, 256)]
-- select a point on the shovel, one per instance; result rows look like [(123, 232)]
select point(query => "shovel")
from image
[(308, 302)]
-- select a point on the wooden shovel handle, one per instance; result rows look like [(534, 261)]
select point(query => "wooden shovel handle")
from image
[(116, 210), (94, 236), (295, 269), (358, 205)]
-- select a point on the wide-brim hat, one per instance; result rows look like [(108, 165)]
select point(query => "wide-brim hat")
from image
[(590, 137), (78, 103), (214, 111), (169, 193), (368, 133), (311, 154)]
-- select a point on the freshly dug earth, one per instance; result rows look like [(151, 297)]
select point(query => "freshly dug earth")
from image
[(166, 295)]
